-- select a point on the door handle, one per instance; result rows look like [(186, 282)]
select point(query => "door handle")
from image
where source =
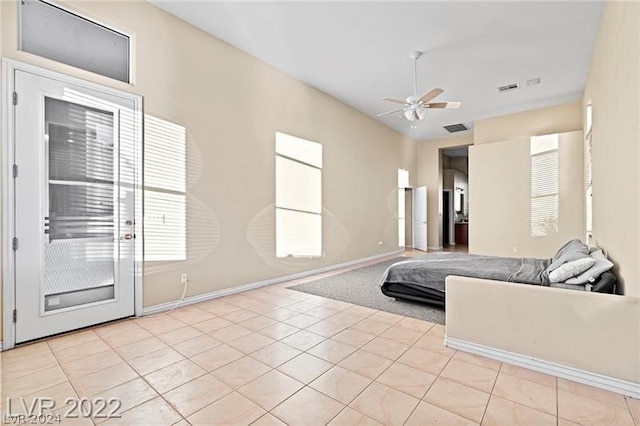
[(127, 236)]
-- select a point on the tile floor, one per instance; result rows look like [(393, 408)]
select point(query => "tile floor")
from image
[(275, 356)]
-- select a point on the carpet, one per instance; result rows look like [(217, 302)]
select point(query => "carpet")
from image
[(362, 287)]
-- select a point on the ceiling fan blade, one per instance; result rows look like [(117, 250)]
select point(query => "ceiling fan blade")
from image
[(430, 95), (397, 101), (442, 105), (390, 112)]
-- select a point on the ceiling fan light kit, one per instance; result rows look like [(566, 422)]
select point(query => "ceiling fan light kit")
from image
[(415, 107)]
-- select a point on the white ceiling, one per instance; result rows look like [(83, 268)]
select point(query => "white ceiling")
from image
[(358, 52)]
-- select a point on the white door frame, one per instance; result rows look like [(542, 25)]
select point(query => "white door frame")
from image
[(9, 67)]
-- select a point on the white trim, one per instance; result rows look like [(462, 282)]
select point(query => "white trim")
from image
[(9, 66), (574, 374), (435, 248), (149, 310), (8, 232)]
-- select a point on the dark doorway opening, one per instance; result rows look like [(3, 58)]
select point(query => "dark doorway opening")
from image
[(446, 215)]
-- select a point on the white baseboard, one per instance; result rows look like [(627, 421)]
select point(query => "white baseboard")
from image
[(581, 376), (250, 286)]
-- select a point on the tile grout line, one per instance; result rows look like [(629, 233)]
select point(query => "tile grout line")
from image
[(557, 403), (633, 418), (374, 381), (359, 348), (65, 373), (161, 395), (333, 365), (431, 385), (139, 375), (244, 355), (486, 407)]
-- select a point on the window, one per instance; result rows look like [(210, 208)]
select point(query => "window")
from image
[(298, 197), (588, 173), (403, 182), (544, 185), (165, 223), (52, 32)]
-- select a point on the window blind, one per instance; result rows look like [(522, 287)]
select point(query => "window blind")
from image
[(588, 172), (544, 185), (165, 201), (298, 197)]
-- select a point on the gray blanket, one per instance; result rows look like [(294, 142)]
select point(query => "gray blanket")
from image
[(431, 270)]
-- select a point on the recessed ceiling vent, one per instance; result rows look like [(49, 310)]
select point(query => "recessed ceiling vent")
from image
[(508, 87), (453, 128)]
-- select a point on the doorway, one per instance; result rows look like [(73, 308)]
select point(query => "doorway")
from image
[(73, 203), (447, 216), (408, 214), (454, 199)]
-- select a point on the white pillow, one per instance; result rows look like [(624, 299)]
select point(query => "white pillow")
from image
[(570, 269), (602, 265)]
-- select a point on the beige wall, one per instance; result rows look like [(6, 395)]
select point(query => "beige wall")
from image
[(594, 332), (500, 207), (563, 326), (1, 163), (542, 121), (613, 88), (446, 162), (461, 164), (429, 175), (231, 105)]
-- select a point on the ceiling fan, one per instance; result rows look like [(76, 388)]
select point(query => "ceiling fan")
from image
[(415, 107)]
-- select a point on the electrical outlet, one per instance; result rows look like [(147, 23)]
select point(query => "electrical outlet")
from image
[(183, 278), (380, 244), (515, 249)]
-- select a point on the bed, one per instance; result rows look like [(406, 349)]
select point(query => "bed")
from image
[(575, 266)]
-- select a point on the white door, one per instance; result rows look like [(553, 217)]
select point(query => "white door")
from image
[(74, 206), (420, 218)]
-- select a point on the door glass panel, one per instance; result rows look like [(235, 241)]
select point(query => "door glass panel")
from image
[(79, 243)]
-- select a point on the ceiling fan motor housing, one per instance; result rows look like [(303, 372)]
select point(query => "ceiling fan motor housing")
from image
[(414, 112)]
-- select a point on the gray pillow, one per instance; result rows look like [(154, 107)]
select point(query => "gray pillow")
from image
[(601, 266), (570, 269), (573, 250)]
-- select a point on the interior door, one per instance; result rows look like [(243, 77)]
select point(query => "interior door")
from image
[(74, 206), (420, 218)]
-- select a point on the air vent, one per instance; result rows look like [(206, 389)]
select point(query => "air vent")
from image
[(508, 87), (453, 128)]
